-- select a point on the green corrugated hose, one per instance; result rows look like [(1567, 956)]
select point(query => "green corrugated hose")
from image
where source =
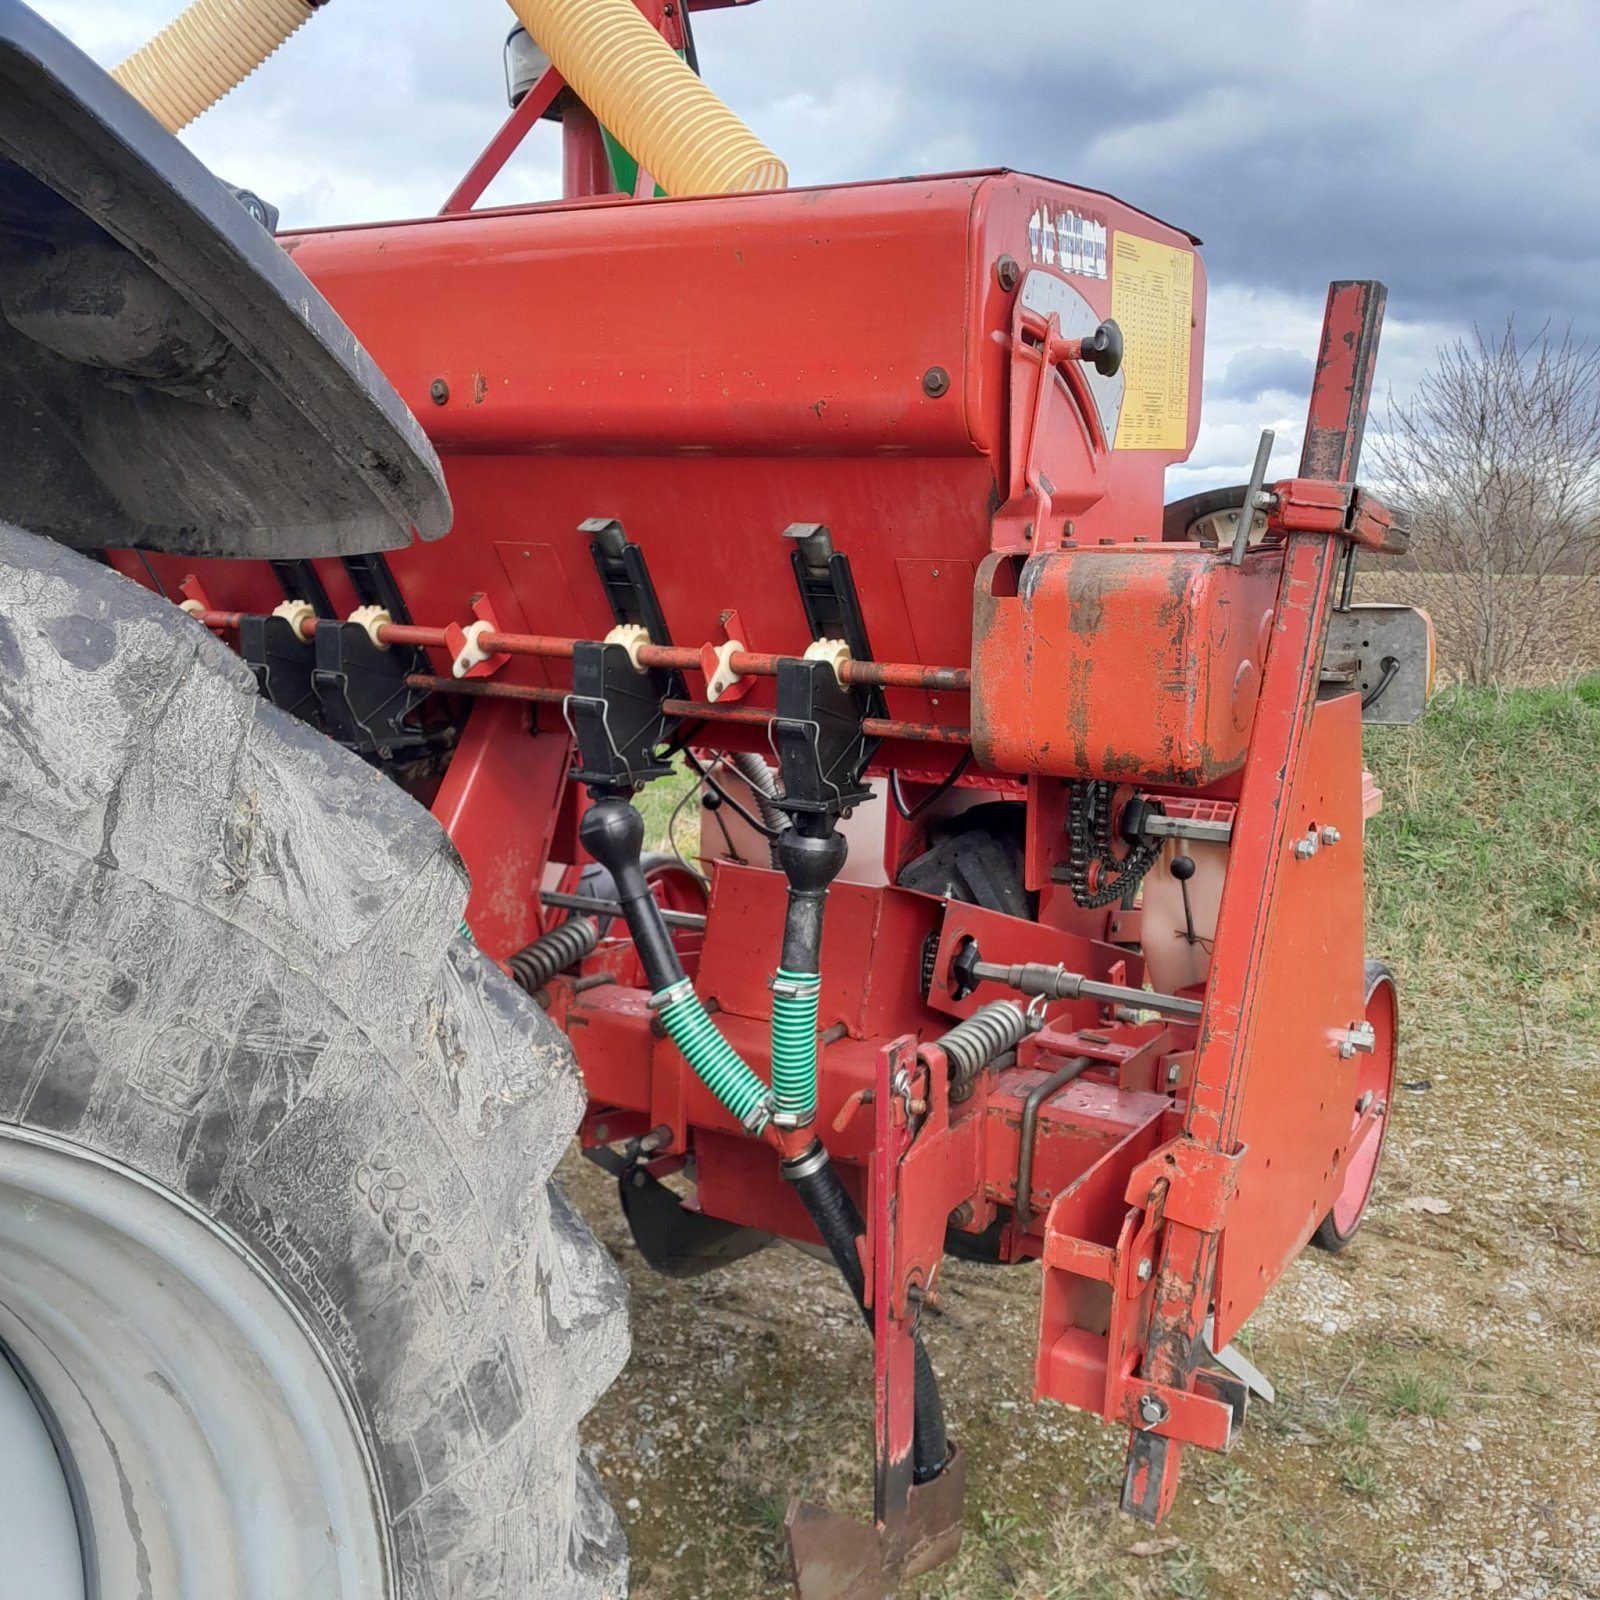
[(794, 1045), (715, 1061)]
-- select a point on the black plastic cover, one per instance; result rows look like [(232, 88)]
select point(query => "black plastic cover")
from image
[(169, 379)]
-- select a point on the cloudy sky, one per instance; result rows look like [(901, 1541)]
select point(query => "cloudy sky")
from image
[(1450, 147)]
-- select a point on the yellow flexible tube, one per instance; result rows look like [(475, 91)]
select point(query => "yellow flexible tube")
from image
[(617, 64), (203, 53), (663, 114)]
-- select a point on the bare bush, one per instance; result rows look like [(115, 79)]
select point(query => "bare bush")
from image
[(1496, 461)]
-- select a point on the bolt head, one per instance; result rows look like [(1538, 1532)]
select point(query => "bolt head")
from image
[(438, 391), (1144, 1270), (1305, 849), (935, 382), (1007, 273), (1331, 836)]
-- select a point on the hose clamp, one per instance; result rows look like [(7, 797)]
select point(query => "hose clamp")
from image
[(670, 996), (807, 1165), (759, 1115), (791, 1119), (795, 988)]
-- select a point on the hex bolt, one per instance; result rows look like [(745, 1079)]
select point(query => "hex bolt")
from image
[(935, 382), (962, 1214), (1331, 835), (1144, 1270), (1306, 848), (1007, 273), (438, 391), (1174, 1072), (1152, 1410), (1363, 1103)]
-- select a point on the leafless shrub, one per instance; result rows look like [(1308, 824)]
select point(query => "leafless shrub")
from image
[(1496, 460)]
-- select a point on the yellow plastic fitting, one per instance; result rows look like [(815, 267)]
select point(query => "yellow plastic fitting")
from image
[(659, 109), (204, 52)]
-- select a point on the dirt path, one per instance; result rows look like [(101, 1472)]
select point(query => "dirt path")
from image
[(1434, 1437)]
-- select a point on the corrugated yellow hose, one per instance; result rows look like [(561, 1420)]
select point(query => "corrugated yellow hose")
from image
[(616, 63), (659, 109), (208, 50)]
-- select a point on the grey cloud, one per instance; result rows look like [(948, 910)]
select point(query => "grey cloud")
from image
[(1262, 370), (1451, 147)]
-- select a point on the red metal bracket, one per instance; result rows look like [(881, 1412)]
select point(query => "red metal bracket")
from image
[(505, 143), (915, 1527)]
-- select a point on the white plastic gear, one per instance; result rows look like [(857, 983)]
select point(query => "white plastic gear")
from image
[(296, 613), (633, 637), (834, 651), (371, 618)]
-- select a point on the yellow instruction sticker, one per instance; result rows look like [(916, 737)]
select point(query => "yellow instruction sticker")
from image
[(1152, 299)]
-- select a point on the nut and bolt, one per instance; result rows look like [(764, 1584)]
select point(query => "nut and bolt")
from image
[(1331, 835), (935, 382), (1306, 848), (439, 391), (1363, 1103), (962, 1215), (1152, 1410), (1007, 273), (1174, 1072)]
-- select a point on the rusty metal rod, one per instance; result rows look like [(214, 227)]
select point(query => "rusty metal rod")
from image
[(487, 689), (1056, 983), (873, 727), (613, 908), (1029, 1132), (678, 658)]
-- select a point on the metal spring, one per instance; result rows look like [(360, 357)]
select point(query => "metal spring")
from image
[(983, 1037), (553, 952)]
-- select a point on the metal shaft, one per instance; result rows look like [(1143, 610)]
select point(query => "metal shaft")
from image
[(613, 908), (1056, 983)]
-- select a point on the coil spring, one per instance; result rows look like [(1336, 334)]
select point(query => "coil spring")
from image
[(983, 1037), (553, 952)]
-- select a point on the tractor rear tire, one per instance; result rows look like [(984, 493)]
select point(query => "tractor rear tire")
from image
[(281, 1263)]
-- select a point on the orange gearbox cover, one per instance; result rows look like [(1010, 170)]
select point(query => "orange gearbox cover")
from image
[(1135, 664)]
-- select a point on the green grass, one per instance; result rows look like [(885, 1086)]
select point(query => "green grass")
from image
[(1483, 869), (657, 803), (1415, 1394)]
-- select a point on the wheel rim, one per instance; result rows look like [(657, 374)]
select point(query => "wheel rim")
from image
[(212, 1453), (1375, 1077), (38, 1523)]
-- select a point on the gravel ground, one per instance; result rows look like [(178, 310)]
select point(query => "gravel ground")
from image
[(1434, 1436)]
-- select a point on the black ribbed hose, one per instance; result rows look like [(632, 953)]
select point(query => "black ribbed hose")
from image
[(830, 1207)]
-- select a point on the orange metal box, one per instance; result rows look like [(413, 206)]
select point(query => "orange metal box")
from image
[(1135, 663)]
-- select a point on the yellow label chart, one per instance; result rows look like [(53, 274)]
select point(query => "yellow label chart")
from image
[(1152, 299)]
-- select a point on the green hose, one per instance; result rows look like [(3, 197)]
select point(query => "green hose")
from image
[(715, 1061), (794, 1046)]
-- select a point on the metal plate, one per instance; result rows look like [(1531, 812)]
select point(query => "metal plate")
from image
[(168, 377), (1044, 292), (1369, 644)]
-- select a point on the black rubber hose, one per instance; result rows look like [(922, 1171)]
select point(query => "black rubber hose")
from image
[(810, 863), (830, 1207), (612, 831)]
